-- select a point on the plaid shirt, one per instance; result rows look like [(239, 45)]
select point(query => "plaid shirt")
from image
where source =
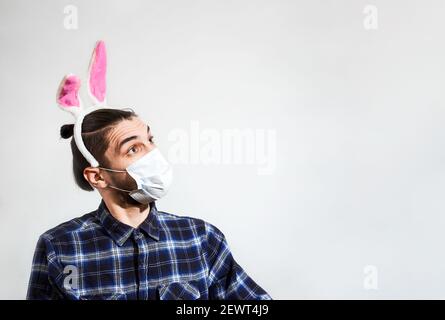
[(167, 257)]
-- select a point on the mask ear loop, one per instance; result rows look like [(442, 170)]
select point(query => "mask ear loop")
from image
[(113, 170), (128, 191)]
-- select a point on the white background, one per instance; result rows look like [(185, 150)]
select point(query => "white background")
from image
[(358, 114)]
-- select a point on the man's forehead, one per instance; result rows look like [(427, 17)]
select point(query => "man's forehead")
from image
[(127, 128)]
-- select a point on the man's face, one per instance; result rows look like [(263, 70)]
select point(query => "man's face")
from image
[(128, 141)]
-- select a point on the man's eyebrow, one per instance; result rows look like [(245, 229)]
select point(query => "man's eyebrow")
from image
[(123, 142)]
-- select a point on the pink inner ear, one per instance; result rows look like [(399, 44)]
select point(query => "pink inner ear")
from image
[(68, 91), (98, 71)]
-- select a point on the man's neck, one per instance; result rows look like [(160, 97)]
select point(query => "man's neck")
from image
[(129, 215)]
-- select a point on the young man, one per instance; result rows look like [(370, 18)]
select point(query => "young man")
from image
[(127, 249)]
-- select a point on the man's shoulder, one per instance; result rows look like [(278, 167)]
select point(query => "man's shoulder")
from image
[(70, 227), (176, 222)]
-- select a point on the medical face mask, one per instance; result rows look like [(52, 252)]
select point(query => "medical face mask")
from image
[(153, 175)]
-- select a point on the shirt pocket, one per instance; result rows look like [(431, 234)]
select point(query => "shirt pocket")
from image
[(180, 290), (104, 296)]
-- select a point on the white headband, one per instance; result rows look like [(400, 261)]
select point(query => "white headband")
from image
[(69, 100)]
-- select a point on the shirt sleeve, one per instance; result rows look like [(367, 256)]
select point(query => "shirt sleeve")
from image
[(40, 286), (227, 280)]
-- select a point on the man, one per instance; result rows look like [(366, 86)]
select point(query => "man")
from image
[(127, 249)]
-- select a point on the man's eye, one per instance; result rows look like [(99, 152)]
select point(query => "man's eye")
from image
[(133, 148)]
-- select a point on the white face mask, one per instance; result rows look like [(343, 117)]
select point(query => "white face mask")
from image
[(153, 175)]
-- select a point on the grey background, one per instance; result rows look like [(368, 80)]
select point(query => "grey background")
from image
[(358, 114)]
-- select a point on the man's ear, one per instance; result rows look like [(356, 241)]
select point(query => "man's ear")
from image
[(94, 177)]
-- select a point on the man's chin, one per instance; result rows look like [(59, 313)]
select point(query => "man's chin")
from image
[(126, 200), (130, 201)]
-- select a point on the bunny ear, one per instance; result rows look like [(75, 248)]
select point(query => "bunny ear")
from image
[(96, 74), (68, 94)]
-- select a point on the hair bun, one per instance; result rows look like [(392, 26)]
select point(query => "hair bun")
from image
[(67, 131)]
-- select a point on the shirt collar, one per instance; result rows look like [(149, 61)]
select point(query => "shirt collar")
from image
[(120, 232)]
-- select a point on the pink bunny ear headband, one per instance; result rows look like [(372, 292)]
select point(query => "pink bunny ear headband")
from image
[(68, 96)]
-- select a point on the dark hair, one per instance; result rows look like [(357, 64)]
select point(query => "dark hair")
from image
[(95, 128)]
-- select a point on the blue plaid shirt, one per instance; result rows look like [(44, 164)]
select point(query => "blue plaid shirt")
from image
[(167, 257)]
